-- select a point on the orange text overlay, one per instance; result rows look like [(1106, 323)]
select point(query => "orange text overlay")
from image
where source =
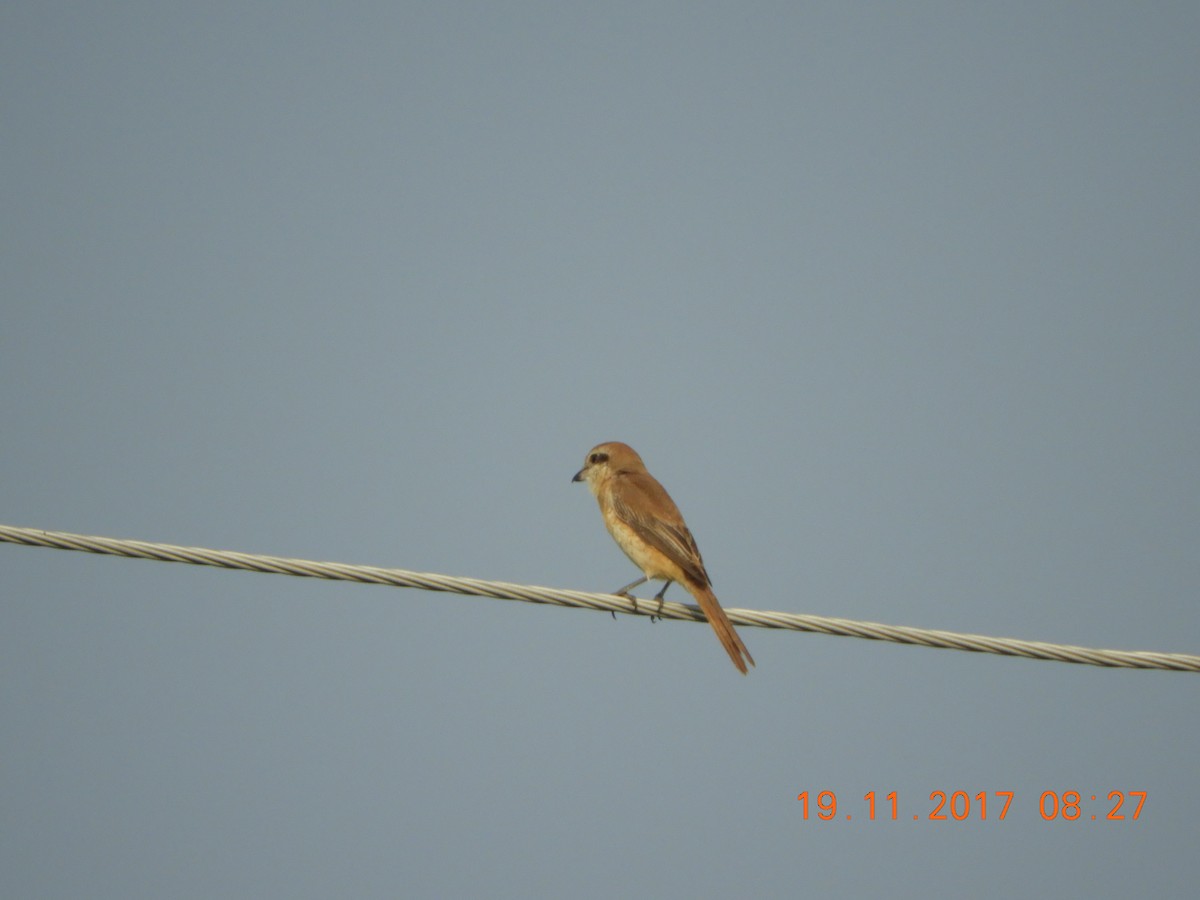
[(959, 806)]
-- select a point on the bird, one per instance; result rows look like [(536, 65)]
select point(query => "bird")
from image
[(647, 525)]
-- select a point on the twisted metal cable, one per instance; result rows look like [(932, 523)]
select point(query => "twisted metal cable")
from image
[(902, 634)]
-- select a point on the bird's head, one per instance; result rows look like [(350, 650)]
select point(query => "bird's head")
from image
[(608, 459)]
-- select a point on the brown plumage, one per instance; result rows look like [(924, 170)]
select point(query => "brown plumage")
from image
[(646, 524)]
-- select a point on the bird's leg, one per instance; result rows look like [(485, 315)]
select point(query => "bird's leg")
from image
[(659, 596), (624, 592), (661, 601)]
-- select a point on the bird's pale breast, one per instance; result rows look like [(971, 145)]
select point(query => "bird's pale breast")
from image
[(654, 563)]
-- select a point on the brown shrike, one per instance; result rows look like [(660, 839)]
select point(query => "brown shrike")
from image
[(647, 525)]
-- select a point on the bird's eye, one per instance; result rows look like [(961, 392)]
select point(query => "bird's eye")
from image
[(597, 458)]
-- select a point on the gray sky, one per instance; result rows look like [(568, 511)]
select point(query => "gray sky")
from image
[(898, 301)]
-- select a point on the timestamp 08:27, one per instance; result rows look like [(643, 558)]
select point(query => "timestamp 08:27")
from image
[(958, 806)]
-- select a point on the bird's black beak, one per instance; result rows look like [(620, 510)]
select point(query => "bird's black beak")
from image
[(578, 475)]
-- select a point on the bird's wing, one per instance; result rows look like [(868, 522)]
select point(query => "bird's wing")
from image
[(645, 506)]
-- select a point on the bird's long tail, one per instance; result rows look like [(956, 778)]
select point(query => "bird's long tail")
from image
[(722, 626)]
